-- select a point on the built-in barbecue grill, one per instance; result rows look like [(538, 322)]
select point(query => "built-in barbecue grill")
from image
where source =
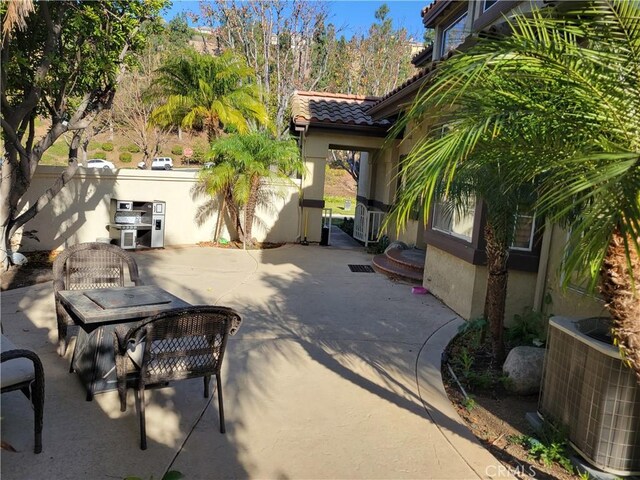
[(137, 224)]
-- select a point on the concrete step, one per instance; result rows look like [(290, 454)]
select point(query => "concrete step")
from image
[(393, 269), (411, 258)]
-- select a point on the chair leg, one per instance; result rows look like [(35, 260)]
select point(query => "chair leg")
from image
[(207, 378), (220, 404), (143, 429), (62, 341), (73, 357), (37, 400)]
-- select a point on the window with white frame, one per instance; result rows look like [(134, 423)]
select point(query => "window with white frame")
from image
[(488, 4), (457, 222), (524, 230), (454, 34)]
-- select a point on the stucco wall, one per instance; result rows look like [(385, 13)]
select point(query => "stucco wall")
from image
[(573, 301), (80, 212), (462, 286), (521, 287), (453, 281), (316, 147)]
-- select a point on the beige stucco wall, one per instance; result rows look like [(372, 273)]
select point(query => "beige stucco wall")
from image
[(463, 286), (573, 301), (315, 150), (453, 281), (80, 212)]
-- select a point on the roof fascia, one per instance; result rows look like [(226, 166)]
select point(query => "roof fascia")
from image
[(435, 15), (363, 130), (494, 13)]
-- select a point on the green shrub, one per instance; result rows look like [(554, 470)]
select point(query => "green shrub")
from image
[(177, 150), (133, 148), (379, 247), (199, 154), (125, 157), (101, 155), (107, 146), (529, 328)]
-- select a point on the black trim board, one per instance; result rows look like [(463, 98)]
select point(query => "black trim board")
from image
[(310, 203)]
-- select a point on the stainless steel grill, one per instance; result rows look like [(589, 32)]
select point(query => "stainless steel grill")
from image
[(137, 224)]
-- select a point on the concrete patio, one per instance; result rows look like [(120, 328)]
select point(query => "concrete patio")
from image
[(333, 374)]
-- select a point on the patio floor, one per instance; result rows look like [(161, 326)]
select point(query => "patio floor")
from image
[(333, 374)]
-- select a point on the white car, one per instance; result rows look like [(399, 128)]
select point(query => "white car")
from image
[(99, 163), (162, 163)]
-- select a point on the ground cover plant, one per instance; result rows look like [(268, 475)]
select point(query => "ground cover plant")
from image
[(496, 416)]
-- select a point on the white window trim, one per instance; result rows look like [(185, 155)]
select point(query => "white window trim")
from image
[(531, 235), (450, 233), (485, 8)]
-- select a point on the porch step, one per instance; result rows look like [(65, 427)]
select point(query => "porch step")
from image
[(407, 265)]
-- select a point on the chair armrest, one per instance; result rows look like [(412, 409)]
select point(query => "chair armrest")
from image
[(29, 355)]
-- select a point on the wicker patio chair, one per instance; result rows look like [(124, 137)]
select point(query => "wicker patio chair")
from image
[(173, 345), (22, 370), (85, 266)]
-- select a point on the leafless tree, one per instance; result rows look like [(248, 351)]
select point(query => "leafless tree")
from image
[(276, 38)]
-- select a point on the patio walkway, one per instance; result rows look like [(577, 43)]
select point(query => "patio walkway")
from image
[(333, 374)]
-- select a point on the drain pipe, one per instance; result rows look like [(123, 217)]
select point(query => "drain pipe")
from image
[(455, 378), (302, 130)]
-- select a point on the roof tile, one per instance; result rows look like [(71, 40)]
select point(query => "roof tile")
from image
[(317, 107)]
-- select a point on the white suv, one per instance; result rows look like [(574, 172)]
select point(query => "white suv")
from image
[(162, 163)]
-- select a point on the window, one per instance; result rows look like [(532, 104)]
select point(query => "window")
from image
[(454, 221), (453, 35), (523, 232), (488, 4)]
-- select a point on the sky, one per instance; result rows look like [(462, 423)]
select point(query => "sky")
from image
[(354, 16)]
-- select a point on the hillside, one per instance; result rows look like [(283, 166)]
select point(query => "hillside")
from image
[(111, 146)]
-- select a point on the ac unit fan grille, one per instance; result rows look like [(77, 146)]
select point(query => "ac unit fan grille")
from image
[(596, 398)]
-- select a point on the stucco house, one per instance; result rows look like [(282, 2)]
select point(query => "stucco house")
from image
[(455, 260)]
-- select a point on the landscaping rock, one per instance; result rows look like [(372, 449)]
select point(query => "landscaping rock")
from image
[(396, 245), (524, 368)]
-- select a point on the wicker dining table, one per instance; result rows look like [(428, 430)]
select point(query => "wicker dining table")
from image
[(98, 312)]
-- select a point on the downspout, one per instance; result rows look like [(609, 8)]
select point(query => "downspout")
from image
[(543, 266), (302, 145)]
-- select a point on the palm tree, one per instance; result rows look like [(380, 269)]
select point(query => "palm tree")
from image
[(208, 93), (561, 93), (243, 165)]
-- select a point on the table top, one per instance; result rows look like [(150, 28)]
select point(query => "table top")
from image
[(97, 307)]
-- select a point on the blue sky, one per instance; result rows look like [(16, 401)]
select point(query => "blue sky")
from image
[(354, 16)]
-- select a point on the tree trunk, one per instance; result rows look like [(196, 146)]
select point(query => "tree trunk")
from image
[(250, 210), (497, 256), (222, 208), (621, 290)]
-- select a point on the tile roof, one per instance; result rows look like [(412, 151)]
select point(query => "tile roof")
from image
[(423, 55), (333, 109), (429, 7), (433, 11)]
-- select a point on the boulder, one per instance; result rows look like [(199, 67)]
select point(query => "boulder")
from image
[(523, 366), (396, 245)]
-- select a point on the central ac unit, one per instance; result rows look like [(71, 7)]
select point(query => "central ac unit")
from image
[(587, 388)]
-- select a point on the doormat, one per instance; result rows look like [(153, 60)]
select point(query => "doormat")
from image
[(361, 268)]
